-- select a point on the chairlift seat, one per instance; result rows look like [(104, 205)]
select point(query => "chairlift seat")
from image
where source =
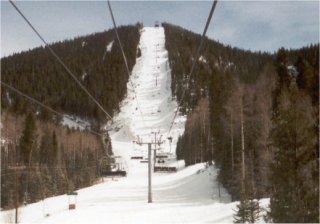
[(166, 169), (116, 173), (136, 157)]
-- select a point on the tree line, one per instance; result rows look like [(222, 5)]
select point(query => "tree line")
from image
[(53, 159), (256, 116)]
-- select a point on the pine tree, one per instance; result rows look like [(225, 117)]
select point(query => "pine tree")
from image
[(45, 148), (242, 215), (282, 67), (28, 139), (247, 211), (294, 138), (253, 210), (54, 149)]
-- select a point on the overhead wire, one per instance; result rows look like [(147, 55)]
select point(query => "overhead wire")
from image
[(60, 60), (125, 60), (44, 106), (214, 4), (57, 113), (64, 66)]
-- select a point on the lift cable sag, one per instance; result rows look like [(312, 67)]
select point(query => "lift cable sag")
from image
[(195, 60), (125, 59), (44, 106), (60, 60)]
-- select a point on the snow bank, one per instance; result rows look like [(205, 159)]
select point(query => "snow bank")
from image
[(75, 122)]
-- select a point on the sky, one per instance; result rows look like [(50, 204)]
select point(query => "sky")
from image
[(251, 25)]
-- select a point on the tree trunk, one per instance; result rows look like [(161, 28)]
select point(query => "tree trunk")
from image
[(242, 149)]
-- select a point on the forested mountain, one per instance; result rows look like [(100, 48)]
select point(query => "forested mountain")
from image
[(256, 115), (182, 45), (58, 159), (96, 61)]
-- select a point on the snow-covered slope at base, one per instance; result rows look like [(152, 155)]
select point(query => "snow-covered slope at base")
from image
[(190, 195)]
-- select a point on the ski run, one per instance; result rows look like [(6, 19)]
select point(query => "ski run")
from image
[(190, 195)]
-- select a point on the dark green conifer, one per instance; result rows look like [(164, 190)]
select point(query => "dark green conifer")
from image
[(294, 140), (28, 139)]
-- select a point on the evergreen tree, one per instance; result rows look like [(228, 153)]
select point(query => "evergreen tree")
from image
[(282, 67), (308, 78), (28, 139), (284, 80), (45, 148), (295, 161), (242, 215), (54, 149), (247, 211)]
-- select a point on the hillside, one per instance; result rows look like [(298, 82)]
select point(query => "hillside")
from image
[(96, 61), (247, 111), (32, 135), (215, 57)]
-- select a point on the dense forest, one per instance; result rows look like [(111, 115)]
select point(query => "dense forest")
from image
[(53, 159), (256, 116), (96, 61), (57, 159)]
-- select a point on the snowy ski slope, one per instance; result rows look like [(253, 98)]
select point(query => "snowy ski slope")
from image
[(190, 195), (149, 106)]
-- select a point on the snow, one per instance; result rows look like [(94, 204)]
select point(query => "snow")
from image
[(151, 78), (229, 64), (9, 98), (190, 195), (74, 122), (202, 59), (109, 46), (84, 75), (293, 70), (3, 141)]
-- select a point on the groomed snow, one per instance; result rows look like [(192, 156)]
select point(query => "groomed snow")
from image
[(190, 195), (151, 78)]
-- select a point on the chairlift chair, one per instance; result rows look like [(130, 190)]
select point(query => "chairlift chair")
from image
[(109, 168)]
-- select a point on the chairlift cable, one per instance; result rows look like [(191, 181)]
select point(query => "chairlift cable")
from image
[(125, 60), (195, 60), (43, 105), (60, 60)]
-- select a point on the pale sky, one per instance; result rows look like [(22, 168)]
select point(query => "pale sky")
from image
[(251, 25)]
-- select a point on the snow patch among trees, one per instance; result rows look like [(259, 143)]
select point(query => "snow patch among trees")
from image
[(75, 122), (109, 46)]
